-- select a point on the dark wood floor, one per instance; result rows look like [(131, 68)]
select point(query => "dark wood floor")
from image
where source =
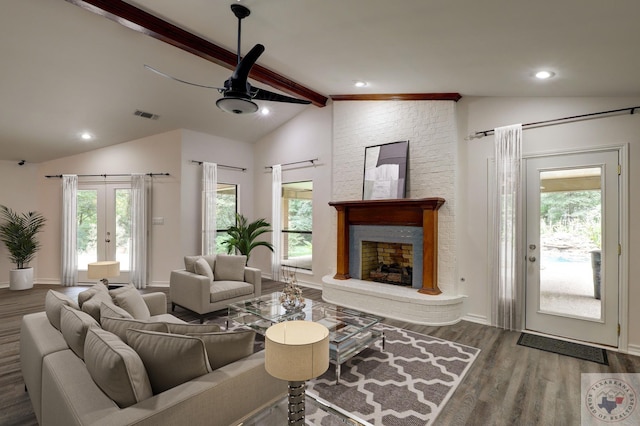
[(507, 385)]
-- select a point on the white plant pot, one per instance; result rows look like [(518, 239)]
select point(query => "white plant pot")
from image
[(21, 279)]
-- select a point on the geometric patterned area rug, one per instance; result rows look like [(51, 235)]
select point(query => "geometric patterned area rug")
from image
[(575, 350), (408, 383)]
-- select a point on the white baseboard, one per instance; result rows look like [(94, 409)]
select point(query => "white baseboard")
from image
[(633, 350), (478, 319)]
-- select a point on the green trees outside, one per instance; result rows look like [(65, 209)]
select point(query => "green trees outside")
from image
[(572, 213), (300, 218)]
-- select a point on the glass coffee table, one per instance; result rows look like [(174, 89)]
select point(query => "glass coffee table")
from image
[(350, 331), (317, 411)]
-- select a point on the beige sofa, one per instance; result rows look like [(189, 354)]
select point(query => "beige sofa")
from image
[(210, 283), (63, 391)]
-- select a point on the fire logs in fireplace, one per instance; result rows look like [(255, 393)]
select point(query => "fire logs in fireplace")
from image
[(392, 274)]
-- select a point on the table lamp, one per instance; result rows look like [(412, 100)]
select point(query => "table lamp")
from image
[(296, 351), (103, 270)]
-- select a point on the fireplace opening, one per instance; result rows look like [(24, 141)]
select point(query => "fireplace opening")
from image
[(390, 263)]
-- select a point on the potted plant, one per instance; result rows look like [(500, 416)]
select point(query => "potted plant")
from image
[(242, 236), (19, 233)]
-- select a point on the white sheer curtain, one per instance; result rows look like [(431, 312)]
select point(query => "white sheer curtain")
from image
[(209, 191), (276, 221), (139, 222), (69, 230), (506, 230)]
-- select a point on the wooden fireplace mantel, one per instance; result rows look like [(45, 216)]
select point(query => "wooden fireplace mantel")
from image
[(421, 212)]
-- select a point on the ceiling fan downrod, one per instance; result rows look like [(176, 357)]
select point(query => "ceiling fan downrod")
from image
[(241, 12)]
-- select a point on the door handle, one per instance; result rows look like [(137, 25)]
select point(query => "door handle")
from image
[(532, 258)]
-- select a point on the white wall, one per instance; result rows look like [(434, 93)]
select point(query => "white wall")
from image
[(155, 154), (306, 137), (477, 114), (17, 191), (202, 147), (430, 127)]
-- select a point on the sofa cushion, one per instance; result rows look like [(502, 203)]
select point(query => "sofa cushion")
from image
[(170, 359), (112, 311), (85, 295), (190, 263), (223, 290), (226, 347), (119, 326), (192, 328), (53, 303), (202, 268), (116, 368), (229, 267), (74, 325), (92, 305), (129, 298)]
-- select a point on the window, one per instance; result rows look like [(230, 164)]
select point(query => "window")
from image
[(226, 208), (297, 223)]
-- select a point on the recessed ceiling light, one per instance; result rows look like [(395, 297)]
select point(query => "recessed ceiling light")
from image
[(265, 111), (543, 75), (86, 136), (360, 83)]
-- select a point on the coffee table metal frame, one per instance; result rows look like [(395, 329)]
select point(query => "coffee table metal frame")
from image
[(350, 331)]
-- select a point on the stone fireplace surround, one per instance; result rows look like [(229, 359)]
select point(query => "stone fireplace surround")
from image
[(426, 306)]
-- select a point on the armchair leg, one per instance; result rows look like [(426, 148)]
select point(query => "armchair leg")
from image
[(201, 319), (173, 307)]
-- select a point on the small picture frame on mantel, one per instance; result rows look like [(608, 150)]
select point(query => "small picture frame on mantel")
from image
[(385, 171)]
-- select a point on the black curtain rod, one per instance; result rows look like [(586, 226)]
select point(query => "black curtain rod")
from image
[(295, 162), (555, 121), (111, 175), (244, 169)]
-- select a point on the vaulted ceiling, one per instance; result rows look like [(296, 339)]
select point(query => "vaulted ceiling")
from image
[(67, 69)]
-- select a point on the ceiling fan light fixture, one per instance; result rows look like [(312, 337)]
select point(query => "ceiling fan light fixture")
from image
[(236, 105)]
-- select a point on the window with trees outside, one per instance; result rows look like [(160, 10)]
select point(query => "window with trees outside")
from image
[(297, 223), (226, 208)]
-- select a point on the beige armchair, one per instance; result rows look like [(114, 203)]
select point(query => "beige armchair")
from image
[(210, 283)]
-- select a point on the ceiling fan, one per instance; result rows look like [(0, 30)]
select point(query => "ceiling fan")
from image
[(237, 93)]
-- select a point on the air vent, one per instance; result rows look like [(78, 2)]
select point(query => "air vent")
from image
[(148, 115)]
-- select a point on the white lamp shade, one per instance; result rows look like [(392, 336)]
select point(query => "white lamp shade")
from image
[(105, 269), (296, 350)]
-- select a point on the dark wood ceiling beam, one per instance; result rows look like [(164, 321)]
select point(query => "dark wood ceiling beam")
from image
[(400, 97), (146, 23)]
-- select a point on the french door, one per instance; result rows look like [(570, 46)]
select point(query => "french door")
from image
[(572, 241), (104, 225)]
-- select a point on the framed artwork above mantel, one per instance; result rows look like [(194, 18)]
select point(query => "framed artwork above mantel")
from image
[(385, 171)]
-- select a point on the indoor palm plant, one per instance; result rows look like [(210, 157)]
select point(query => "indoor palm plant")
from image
[(19, 233), (243, 235)]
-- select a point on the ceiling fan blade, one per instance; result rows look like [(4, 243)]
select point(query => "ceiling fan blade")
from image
[(241, 73), (265, 95), (150, 68)]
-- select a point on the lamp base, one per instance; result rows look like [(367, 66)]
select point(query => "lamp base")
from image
[(105, 282), (296, 403)]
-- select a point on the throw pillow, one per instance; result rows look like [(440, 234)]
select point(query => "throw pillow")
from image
[(119, 326), (74, 325), (211, 260), (170, 359), (230, 267), (116, 368), (190, 262), (227, 347), (83, 296), (112, 311), (192, 328), (92, 305), (53, 303), (129, 298), (202, 268)]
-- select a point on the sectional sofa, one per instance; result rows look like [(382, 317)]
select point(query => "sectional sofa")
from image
[(110, 359)]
